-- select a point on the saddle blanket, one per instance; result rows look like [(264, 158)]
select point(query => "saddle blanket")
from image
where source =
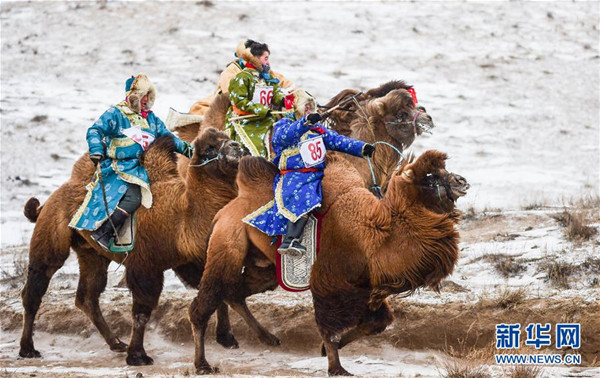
[(293, 273)]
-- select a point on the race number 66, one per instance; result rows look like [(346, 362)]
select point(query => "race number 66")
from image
[(266, 97)]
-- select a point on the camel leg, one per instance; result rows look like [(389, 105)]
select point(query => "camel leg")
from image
[(373, 323), (38, 279), (145, 287), (190, 274), (48, 250), (239, 305), (224, 335), (203, 306), (92, 282), (333, 357)]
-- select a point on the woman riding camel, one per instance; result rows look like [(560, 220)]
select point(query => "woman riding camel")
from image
[(253, 94), (116, 142), (300, 143), (233, 68)]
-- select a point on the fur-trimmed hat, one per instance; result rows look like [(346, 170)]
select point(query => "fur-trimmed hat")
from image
[(301, 99), (135, 88), (243, 51)]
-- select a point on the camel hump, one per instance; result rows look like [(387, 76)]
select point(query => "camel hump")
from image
[(386, 88), (32, 209), (160, 160), (254, 171)]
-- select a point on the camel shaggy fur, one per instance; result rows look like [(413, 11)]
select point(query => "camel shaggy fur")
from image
[(173, 234), (370, 248)]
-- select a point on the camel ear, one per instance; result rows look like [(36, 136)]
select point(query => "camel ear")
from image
[(377, 107), (408, 175)]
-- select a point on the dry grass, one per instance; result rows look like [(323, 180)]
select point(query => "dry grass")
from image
[(558, 273), (470, 214), (507, 298), (464, 369), (510, 298), (535, 205), (16, 274), (524, 371), (506, 265), (575, 225)]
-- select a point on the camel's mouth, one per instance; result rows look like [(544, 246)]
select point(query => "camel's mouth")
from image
[(233, 151), (423, 121), (458, 186)]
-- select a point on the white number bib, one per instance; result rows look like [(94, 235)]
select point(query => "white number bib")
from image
[(312, 151), (142, 138), (263, 95)]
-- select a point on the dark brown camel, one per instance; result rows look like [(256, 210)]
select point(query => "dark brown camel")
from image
[(172, 234), (370, 248)]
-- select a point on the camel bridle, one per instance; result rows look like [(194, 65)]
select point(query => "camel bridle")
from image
[(209, 159)]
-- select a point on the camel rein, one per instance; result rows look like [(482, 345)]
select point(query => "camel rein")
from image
[(99, 172), (376, 189)]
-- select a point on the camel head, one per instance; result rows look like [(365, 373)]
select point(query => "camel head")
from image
[(427, 180), (215, 153), (394, 118)]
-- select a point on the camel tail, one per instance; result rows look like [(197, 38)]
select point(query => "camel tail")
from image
[(32, 209)]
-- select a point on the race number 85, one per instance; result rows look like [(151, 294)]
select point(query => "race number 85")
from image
[(313, 151)]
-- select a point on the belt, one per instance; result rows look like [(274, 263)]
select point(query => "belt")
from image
[(237, 110), (303, 170)]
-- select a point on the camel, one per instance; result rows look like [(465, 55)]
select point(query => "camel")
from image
[(385, 113), (173, 234), (370, 248)]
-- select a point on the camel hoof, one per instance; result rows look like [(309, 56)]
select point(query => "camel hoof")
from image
[(119, 347), (228, 341), (269, 339), (206, 369), (30, 353), (338, 371), (323, 350), (140, 360)]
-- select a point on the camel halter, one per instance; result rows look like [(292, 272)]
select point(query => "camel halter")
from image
[(376, 189), (207, 160)]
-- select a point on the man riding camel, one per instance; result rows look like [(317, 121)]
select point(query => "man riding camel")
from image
[(300, 143), (116, 142), (233, 68), (254, 94)]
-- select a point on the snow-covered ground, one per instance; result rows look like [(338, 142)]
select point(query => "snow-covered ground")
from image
[(513, 89)]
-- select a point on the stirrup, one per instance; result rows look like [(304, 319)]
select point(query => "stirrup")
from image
[(103, 241), (294, 249)]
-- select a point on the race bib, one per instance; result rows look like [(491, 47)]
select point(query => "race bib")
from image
[(312, 151), (142, 138), (263, 95)]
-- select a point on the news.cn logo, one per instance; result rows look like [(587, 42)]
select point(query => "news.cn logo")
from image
[(566, 335)]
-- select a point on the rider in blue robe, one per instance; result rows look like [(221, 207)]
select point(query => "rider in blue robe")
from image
[(297, 186), (116, 142)]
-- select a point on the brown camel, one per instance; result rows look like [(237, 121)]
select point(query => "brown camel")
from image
[(173, 234), (370, 248), (385, 113)]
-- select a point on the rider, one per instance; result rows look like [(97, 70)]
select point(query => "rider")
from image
[(300, 143), (233, 68), (116, 142), (253, 94)]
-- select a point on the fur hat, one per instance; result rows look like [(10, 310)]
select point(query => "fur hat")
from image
[(135, 88), (301, 99), (243, 51)]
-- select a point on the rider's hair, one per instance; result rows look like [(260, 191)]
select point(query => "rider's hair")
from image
[(257, 48)]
